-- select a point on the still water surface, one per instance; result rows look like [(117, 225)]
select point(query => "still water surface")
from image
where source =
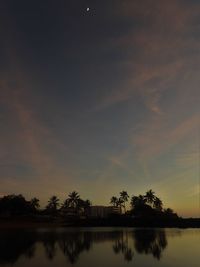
[(97, 247)]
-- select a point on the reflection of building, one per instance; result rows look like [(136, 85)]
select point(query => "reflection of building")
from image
[(103, 211)]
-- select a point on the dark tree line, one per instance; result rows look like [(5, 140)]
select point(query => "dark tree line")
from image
[(141, 205), (15, 205), (73, 203), (147, 204), (18, 205)]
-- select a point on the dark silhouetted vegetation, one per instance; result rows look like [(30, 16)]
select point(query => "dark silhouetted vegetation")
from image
[(150, 205), (76, 206), (145, 210), (52, 206), (120, 201), (13, 205)]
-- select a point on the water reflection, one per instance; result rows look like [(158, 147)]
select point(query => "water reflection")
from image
[(15, 244), (49, 243), (72, 244), (122, 246), (151, 242), (145, 242)]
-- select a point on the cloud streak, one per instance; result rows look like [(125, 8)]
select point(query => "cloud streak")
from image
[(161, 50)]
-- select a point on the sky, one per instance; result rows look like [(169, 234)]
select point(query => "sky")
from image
[(101, 96)]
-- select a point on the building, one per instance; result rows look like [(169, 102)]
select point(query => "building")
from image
[(103, 211)]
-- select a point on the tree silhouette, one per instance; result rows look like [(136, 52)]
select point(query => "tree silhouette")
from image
[(157, 204), (35, 204), (74, 200), (14, 205), (150, 197), (114, 201), (124, 196), (53, 205), (86, 204), (65, 204), (120, 203), (138, 201), (74, 204), (139, 206)]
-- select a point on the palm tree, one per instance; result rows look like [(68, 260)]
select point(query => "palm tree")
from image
[(138, 201), (65, 204), (74, 199), (35, 203), (124, 196), (158, 204), (120, 201), (134, 201), (86, 204), (53, 204), (150, 196), (114, 201)]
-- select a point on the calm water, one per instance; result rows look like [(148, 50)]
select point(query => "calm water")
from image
[(98, 247)]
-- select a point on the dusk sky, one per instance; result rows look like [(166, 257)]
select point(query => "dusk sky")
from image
[(100, 100)]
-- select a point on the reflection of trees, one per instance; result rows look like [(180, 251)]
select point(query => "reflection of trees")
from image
[(14, 244), (72, 244), (145, 242), (49, 242), (121, 246), (150, 242)]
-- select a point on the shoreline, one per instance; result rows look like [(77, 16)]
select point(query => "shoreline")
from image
[(127, 223)]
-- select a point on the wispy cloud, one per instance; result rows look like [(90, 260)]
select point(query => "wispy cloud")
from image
[(160, 50), (158, 136)]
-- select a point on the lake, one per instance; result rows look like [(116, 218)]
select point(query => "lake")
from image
[(97, 247)]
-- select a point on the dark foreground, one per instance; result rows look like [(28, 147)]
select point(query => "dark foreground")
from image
[(100, 222)]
